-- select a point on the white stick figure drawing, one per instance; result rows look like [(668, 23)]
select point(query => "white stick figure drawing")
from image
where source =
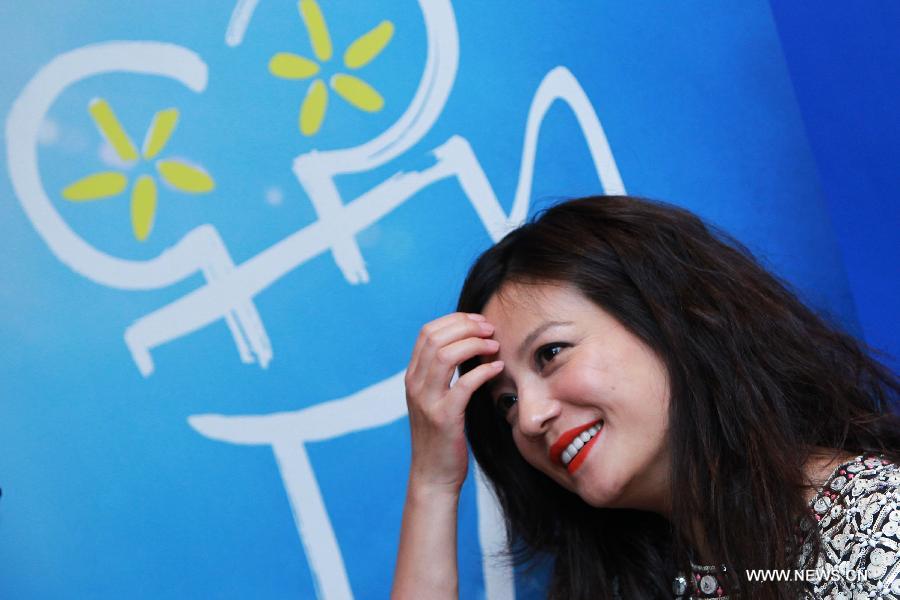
[(230, 289)]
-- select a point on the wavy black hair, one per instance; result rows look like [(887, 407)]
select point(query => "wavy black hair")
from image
[(757, 381)]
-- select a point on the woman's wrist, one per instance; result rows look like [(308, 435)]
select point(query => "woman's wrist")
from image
[(425, 491)]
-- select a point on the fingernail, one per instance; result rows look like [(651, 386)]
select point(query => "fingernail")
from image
[(476, 317), (486, 327), (497, 364)]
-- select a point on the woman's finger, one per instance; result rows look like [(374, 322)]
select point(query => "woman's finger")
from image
[(446, 359), (468, 384), (440, 332)]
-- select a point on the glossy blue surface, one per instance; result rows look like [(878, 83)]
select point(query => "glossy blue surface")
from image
[(108, 492)]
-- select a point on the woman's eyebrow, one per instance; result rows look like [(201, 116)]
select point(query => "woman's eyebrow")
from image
[(502, 378), (529, 339)]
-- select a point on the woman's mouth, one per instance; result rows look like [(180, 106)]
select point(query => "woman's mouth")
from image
[(572, 447), (576, 452)]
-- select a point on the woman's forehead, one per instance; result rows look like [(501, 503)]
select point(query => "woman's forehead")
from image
[(516, 301)]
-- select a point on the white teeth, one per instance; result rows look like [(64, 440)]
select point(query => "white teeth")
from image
[(579, 442)]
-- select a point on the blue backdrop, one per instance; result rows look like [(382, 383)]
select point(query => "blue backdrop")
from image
[(223, 225)]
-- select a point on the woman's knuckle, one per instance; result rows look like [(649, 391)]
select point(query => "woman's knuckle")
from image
[(445, 355), (431, 340), (432, 416), (462, 388)]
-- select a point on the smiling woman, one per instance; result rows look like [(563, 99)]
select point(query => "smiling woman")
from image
[(585, 399), (644, 397)]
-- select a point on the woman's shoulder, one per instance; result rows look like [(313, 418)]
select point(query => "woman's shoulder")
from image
[(857, 482), (858, 515)]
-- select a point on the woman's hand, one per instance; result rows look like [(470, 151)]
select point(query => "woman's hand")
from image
[(436, 410), (426, 558)]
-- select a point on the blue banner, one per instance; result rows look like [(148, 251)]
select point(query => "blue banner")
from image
[(224, 224)]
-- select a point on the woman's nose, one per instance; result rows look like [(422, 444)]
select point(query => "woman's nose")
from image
[(536, 412)]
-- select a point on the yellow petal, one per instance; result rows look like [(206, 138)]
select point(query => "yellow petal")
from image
[(292, 66), (357, 92), (112, 130), (143, 206), (369, 45), (315, 25), (160, 131), (96, 186), (185, 177), (313, 110)]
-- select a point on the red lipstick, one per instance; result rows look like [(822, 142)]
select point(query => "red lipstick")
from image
[(582, 454), (567, 438)]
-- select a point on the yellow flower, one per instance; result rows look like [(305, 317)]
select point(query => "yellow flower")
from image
[(180, 175), (354, 90)]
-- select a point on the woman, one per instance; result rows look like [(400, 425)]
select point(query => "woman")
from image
[(657, 413)]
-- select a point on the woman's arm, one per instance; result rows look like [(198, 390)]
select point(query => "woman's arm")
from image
[(426, 560)]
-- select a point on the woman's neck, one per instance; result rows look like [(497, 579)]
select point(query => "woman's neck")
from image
[(818, 468), (702, 553)]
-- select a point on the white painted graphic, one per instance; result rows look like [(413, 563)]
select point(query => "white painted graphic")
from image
[(200, 250), (230, 289)]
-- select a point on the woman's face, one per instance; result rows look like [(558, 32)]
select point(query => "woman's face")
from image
[(570, 369)]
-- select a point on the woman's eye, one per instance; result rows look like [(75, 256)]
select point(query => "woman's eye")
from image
[(546, 353), (505, 402)]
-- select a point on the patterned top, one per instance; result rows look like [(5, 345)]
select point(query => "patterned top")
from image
[(858, 515)]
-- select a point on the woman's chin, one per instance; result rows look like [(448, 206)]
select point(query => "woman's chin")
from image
[(600, 497), (601, 488)]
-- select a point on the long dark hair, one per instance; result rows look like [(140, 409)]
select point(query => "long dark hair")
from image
[(757, 381)]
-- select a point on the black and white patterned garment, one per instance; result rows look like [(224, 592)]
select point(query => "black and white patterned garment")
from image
[(858, 515), (858, 511)]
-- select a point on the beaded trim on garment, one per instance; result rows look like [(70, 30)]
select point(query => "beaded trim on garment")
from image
[(857, 512), (704, 582)]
